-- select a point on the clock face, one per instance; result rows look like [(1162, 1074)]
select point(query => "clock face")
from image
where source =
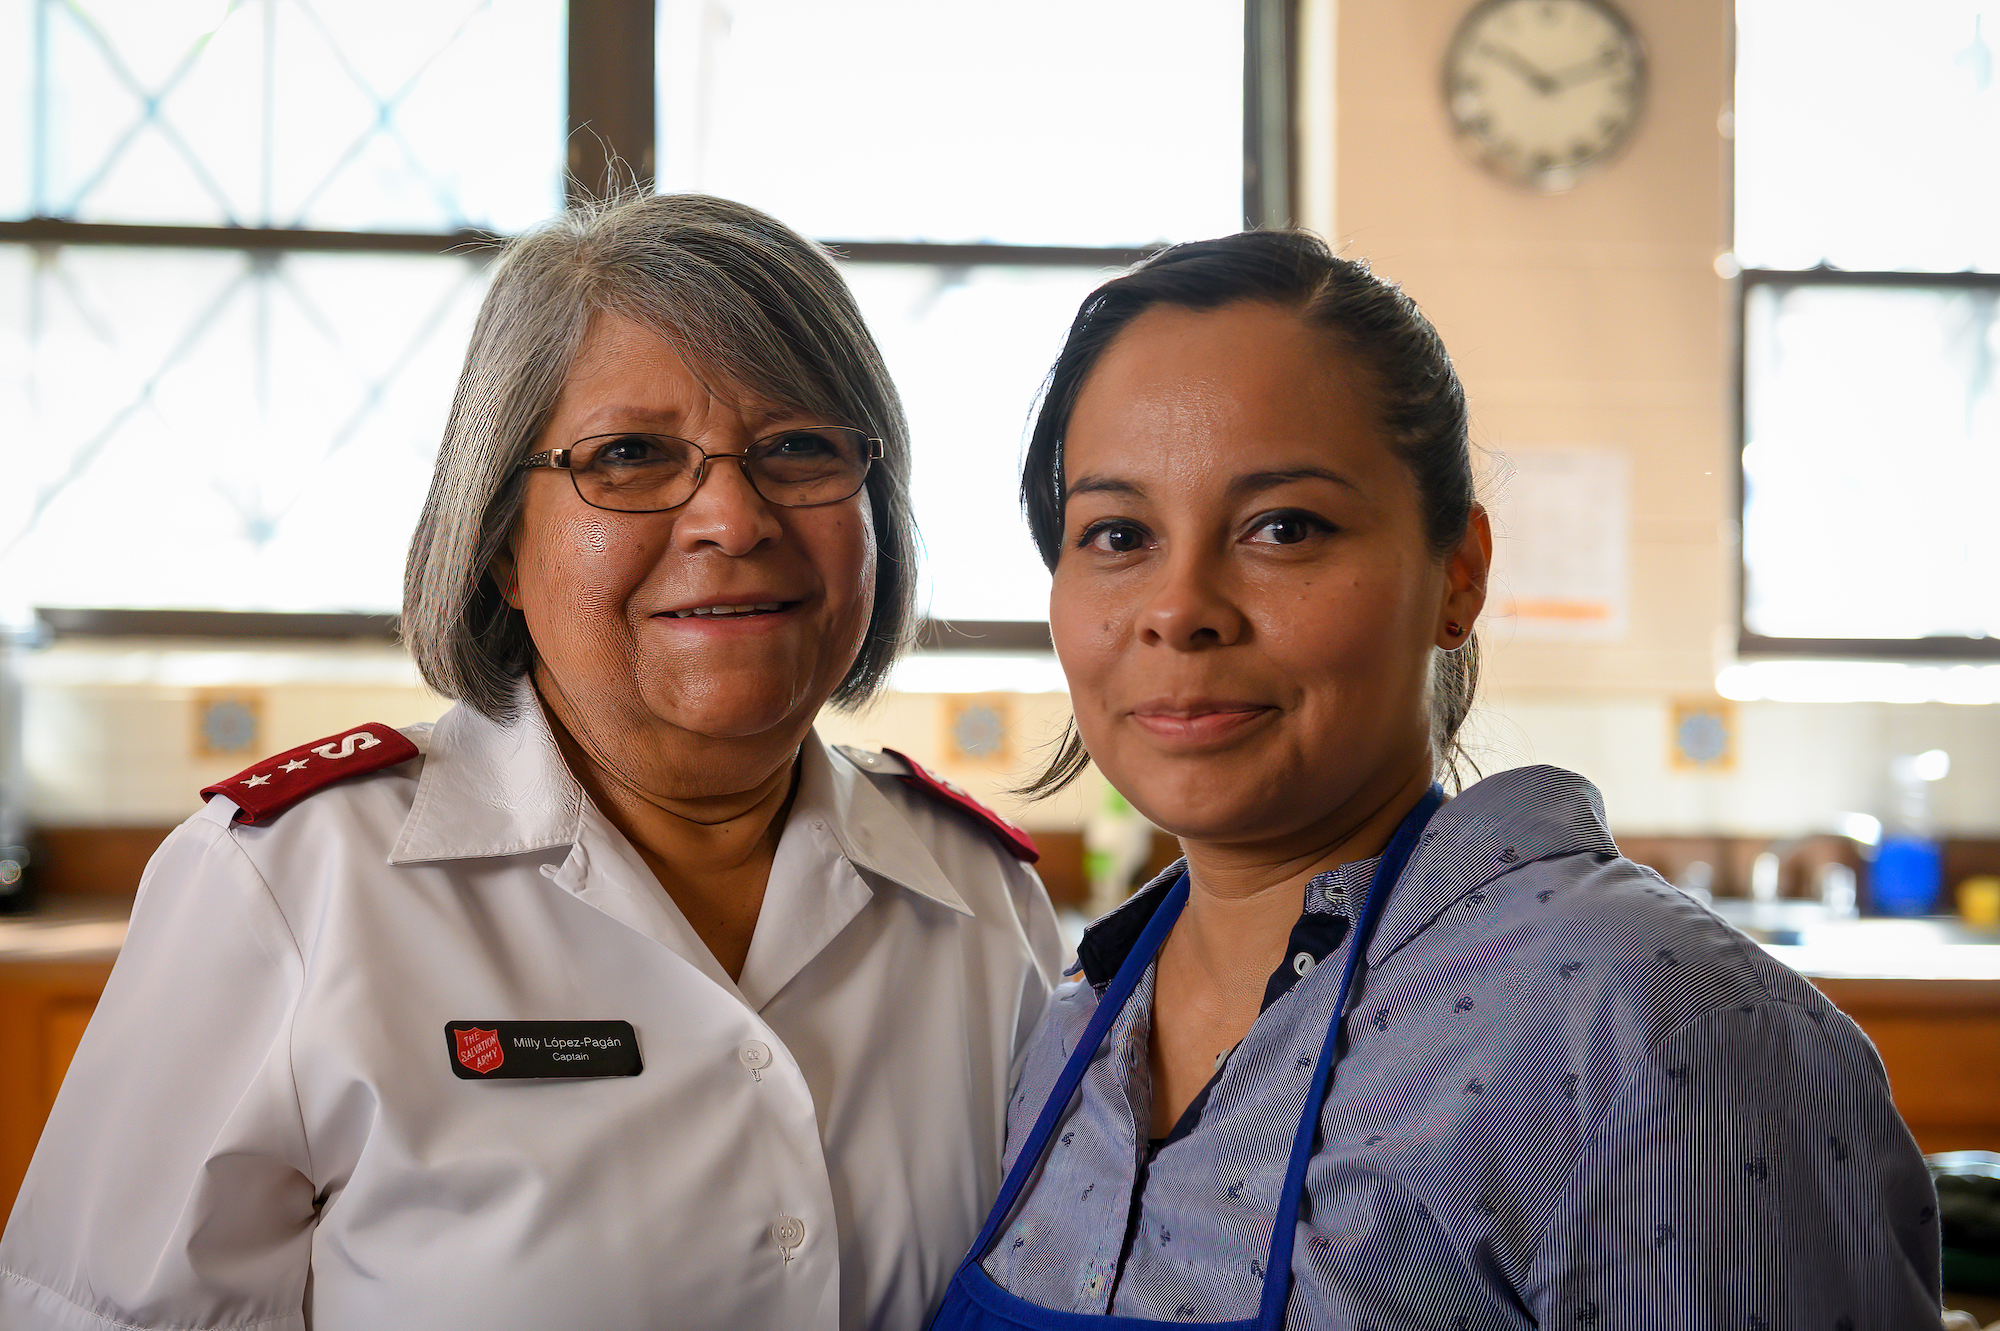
[(1540, 90)]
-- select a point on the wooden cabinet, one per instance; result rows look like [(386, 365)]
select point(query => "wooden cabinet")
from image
[(44, 1007), (1940, 1040)]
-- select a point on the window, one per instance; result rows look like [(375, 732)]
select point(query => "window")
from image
[(242, 243), (981, 169), (1870, 326), (1108, 123), (236, 283)]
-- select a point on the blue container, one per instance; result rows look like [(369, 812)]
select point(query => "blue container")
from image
[(1907, 877)]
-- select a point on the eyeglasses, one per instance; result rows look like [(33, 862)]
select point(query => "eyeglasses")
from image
[(651, 473)]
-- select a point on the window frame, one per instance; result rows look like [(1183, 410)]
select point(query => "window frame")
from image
[(1751, 644), (610, 105)]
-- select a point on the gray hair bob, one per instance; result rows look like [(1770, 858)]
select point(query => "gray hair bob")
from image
[(748, 300)]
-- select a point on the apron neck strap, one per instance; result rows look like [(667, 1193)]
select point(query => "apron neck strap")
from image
[(1284, 1230), (1108, 1008), (1278, 1266)]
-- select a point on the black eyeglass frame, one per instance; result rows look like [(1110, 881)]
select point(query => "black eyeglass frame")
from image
[(558, 459)]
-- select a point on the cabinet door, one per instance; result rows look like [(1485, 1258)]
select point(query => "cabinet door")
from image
[(63, 1023), (44, 1008), (1940, 1043)]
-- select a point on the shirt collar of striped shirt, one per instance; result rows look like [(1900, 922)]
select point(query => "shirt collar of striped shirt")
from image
[(1511, 819)]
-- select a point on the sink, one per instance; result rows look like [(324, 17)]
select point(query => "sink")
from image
[(1803, 936)]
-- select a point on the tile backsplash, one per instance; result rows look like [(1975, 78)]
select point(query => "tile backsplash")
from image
[(110, 738)]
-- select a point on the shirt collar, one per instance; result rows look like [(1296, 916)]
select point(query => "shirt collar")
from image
[(872, 833), (502, 788), (1109, 941), (1511, 818), (491, 788)]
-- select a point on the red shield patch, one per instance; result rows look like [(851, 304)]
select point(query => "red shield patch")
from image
[(480, 1050)]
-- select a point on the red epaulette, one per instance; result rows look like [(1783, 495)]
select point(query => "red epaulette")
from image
[(264, 791), (1018, 843)]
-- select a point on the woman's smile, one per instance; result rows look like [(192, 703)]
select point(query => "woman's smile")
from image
[(1244, 589), (730, 611), (725, 616), (1192, 724)]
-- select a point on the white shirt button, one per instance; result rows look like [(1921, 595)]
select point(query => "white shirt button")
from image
[(755, 1054), (1302, 963), (788, 1232)]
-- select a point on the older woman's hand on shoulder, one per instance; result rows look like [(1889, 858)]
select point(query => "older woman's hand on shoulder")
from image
[(618, 998)]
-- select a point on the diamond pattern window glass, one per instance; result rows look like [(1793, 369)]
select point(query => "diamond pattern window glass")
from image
[(257, 410), (323, 114), (221, 429), (1040, 122)]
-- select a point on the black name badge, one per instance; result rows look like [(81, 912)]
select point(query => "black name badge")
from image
[(491, 1050)]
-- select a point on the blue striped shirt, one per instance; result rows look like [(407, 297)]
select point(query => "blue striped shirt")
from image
[(1571, 1097)]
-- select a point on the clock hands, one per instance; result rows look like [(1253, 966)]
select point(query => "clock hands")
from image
[(1570, 94), (1604, 62), (1545, 83), (1514, 60)]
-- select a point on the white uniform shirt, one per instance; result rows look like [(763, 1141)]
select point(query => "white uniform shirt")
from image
[(262, 1127)]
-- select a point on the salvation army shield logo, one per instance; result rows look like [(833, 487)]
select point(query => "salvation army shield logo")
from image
[(480, 1050)]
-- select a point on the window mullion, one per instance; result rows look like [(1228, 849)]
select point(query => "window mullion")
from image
[(1269, 165), (611, 99)]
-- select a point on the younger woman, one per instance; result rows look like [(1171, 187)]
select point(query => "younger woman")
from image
[(1367, 1058)]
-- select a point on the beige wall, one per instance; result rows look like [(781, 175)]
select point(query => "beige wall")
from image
[(1593, 318), (110, 727), (109, 742)]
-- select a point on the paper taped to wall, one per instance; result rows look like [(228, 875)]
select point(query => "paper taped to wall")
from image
[(1561, 545)]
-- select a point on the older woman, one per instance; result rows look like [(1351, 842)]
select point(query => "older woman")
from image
[(618, 998), (1366, 1057)]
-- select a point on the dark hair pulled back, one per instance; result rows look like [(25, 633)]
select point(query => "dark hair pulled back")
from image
[(1417, 392)]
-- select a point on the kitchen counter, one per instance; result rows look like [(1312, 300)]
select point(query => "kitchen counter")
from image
[(53, 966), (1927, 949), (91, 931), (1927, 992)]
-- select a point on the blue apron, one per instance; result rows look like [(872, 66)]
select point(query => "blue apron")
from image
[(975, 1303)]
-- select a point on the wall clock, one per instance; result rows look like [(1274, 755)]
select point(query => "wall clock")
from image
[(1540, 91)]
